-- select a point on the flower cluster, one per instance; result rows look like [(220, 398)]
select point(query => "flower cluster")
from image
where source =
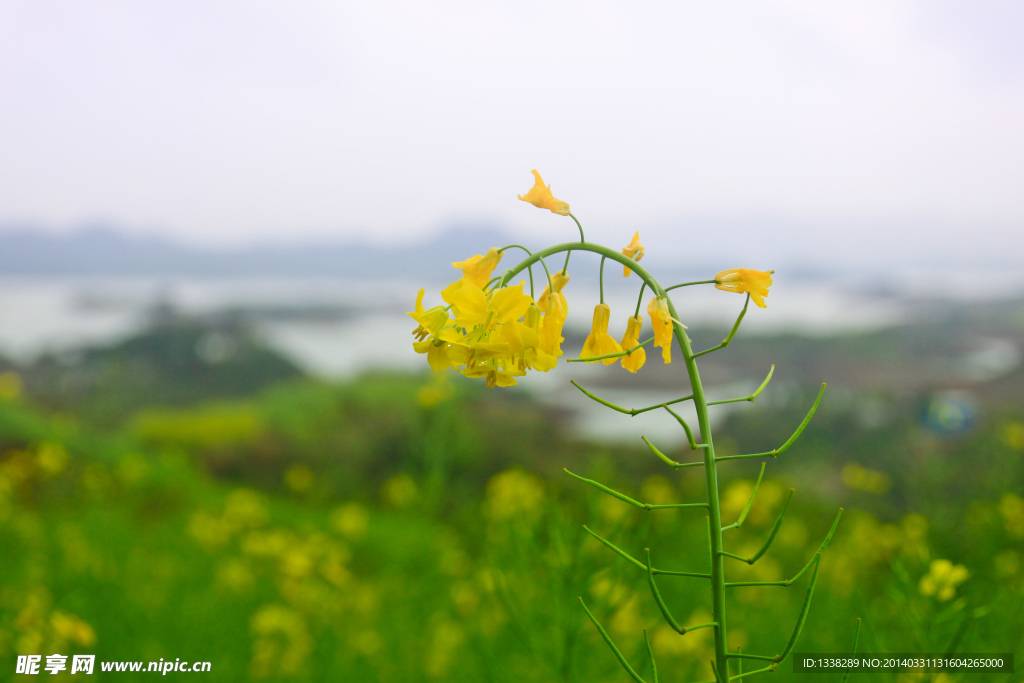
[(496, 333)]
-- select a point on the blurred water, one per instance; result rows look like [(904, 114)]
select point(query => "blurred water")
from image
[(336, 328)]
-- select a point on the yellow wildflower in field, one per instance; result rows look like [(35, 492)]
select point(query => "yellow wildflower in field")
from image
[(633, 250), (599, 342), (70, 628), (942, 579), (861, 478), (635, 360), (661, 321), (743, 280), (541, 197), (351, 520), (514, 494), (1011, 508)]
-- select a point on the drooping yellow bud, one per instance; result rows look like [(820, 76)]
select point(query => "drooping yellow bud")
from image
[(742, 280), (661, 321), (633, 250), (599, 342), (635, 360)]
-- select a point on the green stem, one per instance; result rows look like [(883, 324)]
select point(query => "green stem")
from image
[(650, 653), (774, 453), (637, 563), (667, 460), (629, 411), (601, 277), (687, 284), (753, 494), (748, 397), (771, 534), (714, 504), (732, 333), (530, 270), (618, 655), (640, 299), (704, 425), (626, 499), (565, 268)]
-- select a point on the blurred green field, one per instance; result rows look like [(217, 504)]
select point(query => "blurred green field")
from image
[(405, 528)]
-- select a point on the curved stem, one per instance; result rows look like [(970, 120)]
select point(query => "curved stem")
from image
[(687, 284), (565, 268), (640, 299), (732, 332), (551, 287), (601, 277)]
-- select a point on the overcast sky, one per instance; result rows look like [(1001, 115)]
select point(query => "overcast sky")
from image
[(819, 126)]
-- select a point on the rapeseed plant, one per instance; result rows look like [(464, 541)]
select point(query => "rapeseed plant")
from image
[(492, 330)]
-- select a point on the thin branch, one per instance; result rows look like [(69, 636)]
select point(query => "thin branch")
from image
[(689, 434), (618, 655), (753, 494), (790, 582), (803, 611), (637, 563), (658, 599), (853, 651), (767, 669), (630, 411), (687, 284), (667, 460), (789, 442), (771, 534), (748, 397), (626, 499), (732, 333), (650, 653)]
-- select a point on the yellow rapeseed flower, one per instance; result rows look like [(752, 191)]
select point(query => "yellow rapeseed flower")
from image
[(497, 372), (942, 579), (477, 269), (635, 360), (430, 321), (633, 250), (599, 342), (746, 281), (541, 197), (661, 321)]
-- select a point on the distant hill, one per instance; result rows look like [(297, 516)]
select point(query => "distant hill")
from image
[(103, 251)]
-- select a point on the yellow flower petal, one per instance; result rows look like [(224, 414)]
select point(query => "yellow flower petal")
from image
[(477, 269), (468, 302), (541, 197)]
